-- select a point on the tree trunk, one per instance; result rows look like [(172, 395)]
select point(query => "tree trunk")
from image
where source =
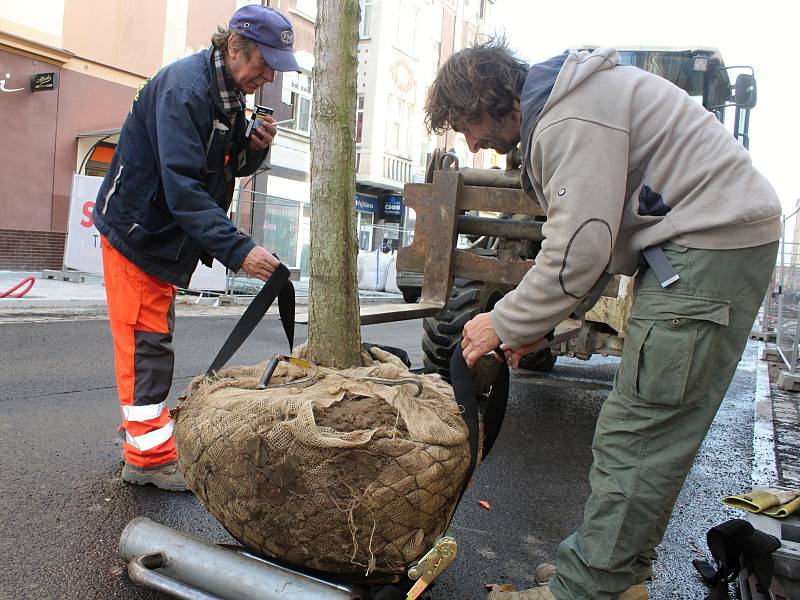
[(334, 334)]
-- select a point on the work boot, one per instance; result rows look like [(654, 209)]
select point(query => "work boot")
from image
[(546, 571), (635, 592), (166, 477), (537, 593)]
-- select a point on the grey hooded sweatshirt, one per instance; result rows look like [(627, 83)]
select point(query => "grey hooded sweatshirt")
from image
[(621, 160)]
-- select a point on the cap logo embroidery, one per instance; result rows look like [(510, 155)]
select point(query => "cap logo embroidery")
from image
[(287, 37)]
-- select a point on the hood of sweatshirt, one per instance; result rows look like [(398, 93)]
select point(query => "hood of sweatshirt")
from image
[(550, 80)]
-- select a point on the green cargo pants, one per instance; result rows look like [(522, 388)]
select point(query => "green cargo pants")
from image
[(682, 346)]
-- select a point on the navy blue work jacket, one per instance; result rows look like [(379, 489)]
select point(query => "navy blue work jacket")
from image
[(163, 204)]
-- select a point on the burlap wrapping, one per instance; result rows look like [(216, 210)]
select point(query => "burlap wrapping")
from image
[(336, 471)]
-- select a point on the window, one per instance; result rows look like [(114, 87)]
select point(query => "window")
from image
[(407, 27), (99, 161), (366, 11), (281, 228), (359, 117), (436, 50), (365, 223), (308, 8), (398, 126), (422, 159), (410, 224), (297, 92)]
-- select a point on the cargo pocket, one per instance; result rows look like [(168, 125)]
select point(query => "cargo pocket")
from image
[(669, 344), (123, 281)]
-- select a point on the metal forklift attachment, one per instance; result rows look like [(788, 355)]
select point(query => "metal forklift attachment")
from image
[(181, 566)]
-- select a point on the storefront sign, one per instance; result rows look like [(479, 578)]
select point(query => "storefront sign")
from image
[(392, 208), (83, 240), (43, 81), (4, 82), (366, 204)]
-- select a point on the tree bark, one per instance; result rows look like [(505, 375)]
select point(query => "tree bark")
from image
[(334, 334)]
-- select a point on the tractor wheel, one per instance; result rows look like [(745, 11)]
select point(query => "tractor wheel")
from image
[(541, 360), (440, 334), (410, 295)]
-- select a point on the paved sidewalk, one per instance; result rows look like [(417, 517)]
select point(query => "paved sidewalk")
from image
[(55, 293), (51, 293)]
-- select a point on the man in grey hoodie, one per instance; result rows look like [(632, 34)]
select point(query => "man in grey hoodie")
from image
[(622, 161)]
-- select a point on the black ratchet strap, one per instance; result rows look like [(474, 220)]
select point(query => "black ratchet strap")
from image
[(277, 286), (467, 396), (736, 545)]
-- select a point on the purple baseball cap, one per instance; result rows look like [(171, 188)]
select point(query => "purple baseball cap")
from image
[(271, 30)]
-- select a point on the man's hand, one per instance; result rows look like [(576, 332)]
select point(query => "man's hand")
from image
[(260, 263), (479, 338), (262, 137), (513, 355)]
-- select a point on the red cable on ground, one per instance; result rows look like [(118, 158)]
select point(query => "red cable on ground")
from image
[(29, 280)]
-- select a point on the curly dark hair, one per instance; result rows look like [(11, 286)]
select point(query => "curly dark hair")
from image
[(483, 78)]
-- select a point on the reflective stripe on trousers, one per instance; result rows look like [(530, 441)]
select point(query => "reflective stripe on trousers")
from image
[(148, 441), (141, 311)]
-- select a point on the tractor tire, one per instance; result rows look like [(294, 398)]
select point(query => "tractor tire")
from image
[(541, 360), (440, 334), (410, 296)]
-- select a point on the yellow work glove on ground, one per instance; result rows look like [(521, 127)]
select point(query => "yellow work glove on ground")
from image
[(762, 500), (783, 510)]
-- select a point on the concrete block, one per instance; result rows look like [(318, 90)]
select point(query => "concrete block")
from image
[(234, 300), (770, 353), (73, 276), (785, 560), (763, 336), (789, 381)]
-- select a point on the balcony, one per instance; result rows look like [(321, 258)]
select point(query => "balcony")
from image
[(397, 169)]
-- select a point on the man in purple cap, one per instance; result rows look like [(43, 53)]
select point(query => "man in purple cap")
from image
[(163, 207)]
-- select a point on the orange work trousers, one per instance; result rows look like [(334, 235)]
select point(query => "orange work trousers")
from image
[(141, 311)]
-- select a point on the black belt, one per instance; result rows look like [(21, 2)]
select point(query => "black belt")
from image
[(277, 286), (467, 397)]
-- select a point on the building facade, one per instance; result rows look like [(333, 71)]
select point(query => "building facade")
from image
[(402, 44), (69, 70)]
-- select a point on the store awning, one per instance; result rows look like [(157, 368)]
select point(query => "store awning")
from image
[(101, 133)]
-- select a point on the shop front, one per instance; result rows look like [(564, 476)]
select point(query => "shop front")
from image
[(366, 207), (43, 109)]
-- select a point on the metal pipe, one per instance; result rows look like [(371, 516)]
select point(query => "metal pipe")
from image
[(141, 572), (491, 177), (504, 228), (191, 569)]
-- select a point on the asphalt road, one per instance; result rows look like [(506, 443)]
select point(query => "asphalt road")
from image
[(63, 506)]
